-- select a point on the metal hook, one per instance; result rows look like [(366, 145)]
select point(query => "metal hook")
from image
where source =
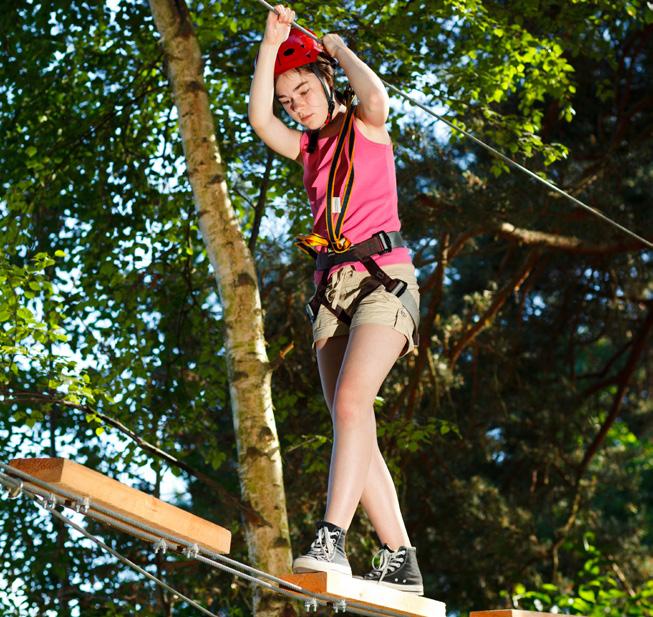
[(50, 503), (340, 606), (191, 551), (161, 545), (310, 604), (15, 492), (82, 505)]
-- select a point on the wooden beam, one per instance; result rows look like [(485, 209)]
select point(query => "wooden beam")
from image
[(510, 612), (373, 595), (126, 501)]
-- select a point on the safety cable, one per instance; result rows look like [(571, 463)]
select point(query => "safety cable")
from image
[(38, 489), (128, 524), (50, 506), (315, 599), (491, 149)]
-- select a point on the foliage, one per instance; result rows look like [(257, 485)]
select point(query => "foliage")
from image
[(109, 311), (598, 590)]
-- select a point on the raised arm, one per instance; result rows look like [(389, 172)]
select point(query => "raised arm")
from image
[(267, 126), (374, 103)]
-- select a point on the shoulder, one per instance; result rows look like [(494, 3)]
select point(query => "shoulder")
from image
[(378, 134)]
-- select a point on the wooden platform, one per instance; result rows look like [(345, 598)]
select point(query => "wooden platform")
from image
[(127, 501), (373, 595)]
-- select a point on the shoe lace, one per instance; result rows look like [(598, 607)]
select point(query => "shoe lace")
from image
[(388, 562), (324, 543)]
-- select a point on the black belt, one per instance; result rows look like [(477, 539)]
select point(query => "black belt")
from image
[(381, 242)]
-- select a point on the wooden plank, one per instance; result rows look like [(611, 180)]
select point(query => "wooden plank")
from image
[(340, 586), (510, 612), (127, 501)]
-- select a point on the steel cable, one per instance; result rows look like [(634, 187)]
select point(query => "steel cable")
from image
[(64, 519), (43, 493)]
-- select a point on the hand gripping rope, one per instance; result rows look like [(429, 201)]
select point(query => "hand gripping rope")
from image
[(50, 497), (494, 151)]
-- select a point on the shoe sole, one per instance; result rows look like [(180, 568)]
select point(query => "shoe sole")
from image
[(302, 565), (415, 589)]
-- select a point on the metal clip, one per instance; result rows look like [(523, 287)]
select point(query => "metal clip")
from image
[(386, 243), (81, 505), (398, 288), (310, 604), (191, 551), (310, 313), (340, 606), (161, 545), (15, 492), (50, 503)]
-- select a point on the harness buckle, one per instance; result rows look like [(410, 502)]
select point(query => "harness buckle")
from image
[(398, 288), (386, 243)]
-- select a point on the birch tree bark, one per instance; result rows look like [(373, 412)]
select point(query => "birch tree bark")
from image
[(249, 371)]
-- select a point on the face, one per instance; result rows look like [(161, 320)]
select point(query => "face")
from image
[(302, 97)]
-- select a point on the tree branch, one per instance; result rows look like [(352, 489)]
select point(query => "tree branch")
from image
[(226, 496), (564, 243), (260, 202), (499, 300), (622, 380)]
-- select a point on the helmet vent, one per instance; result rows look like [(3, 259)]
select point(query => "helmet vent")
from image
[(297, 50)]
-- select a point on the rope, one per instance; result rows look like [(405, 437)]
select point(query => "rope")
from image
[(493, 150), (49, 496)]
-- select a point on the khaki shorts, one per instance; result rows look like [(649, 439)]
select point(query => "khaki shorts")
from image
[(379, 307)]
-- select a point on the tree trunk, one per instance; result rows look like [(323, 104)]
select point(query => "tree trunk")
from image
[(249, 371)]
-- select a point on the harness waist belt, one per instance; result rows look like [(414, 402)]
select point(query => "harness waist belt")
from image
[(381, 242)]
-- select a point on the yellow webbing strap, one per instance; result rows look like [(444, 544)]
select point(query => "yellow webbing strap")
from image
[(339, 243), (335, 241)]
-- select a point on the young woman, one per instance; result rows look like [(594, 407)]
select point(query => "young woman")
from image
[(365, 310)]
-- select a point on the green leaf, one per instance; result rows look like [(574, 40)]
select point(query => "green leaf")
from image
[(26, 314)]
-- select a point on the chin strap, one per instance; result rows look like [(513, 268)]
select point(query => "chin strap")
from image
[(329, 93)]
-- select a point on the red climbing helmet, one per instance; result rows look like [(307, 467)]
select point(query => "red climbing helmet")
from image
[(297, 50)]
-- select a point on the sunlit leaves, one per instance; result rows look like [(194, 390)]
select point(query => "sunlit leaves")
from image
[(600, 590)]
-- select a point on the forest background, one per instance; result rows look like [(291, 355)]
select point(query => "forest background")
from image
[(519, 433)]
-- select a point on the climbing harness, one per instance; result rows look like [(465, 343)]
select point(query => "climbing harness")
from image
[(380, 243), (49, 496), (336, 249), (492, 150)]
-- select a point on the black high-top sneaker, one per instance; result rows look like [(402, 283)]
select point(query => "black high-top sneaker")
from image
[(397, 569), (327, 552)]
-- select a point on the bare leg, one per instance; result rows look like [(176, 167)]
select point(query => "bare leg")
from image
[(379, 497), (382, 504), (364, 362)]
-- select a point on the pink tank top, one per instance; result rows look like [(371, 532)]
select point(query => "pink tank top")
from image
[(373, 202)]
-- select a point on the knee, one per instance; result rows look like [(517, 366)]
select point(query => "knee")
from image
[(347, 410)]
